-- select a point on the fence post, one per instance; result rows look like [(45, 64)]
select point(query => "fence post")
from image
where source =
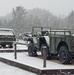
[(44, 56), (15, 54)]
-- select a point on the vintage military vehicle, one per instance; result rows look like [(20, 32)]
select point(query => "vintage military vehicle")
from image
[(59, 42), (7, 37)]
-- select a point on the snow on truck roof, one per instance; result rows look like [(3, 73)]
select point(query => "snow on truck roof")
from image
[(6, 29)]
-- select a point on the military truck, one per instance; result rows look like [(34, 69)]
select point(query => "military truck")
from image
[(59, 42)]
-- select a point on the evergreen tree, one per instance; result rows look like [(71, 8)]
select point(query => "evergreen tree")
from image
[(19, 15)]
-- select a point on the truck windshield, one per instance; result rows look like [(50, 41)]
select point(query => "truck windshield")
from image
[(6, 32)]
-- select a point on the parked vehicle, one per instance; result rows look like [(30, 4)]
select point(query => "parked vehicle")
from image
[(7, 37), (58, 42)]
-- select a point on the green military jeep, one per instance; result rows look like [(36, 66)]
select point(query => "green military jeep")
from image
[(58, 42), (7, 37)]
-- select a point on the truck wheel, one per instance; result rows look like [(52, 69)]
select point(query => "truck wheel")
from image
[(10, 46), (31, 50), (4, 46), (48, 56), (64, 55)]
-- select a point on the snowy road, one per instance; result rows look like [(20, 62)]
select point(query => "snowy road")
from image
[(10, 70)]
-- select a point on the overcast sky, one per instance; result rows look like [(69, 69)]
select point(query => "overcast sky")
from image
[(57, 7)]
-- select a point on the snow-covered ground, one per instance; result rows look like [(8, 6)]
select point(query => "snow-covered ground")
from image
[(23, 58), (22, 46), (10, 70), (35, 62), (18, 46)]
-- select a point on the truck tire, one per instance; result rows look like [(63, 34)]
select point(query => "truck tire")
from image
[(64, 55), (4, 46), (10, 46), (48, 56), (31, 50)]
